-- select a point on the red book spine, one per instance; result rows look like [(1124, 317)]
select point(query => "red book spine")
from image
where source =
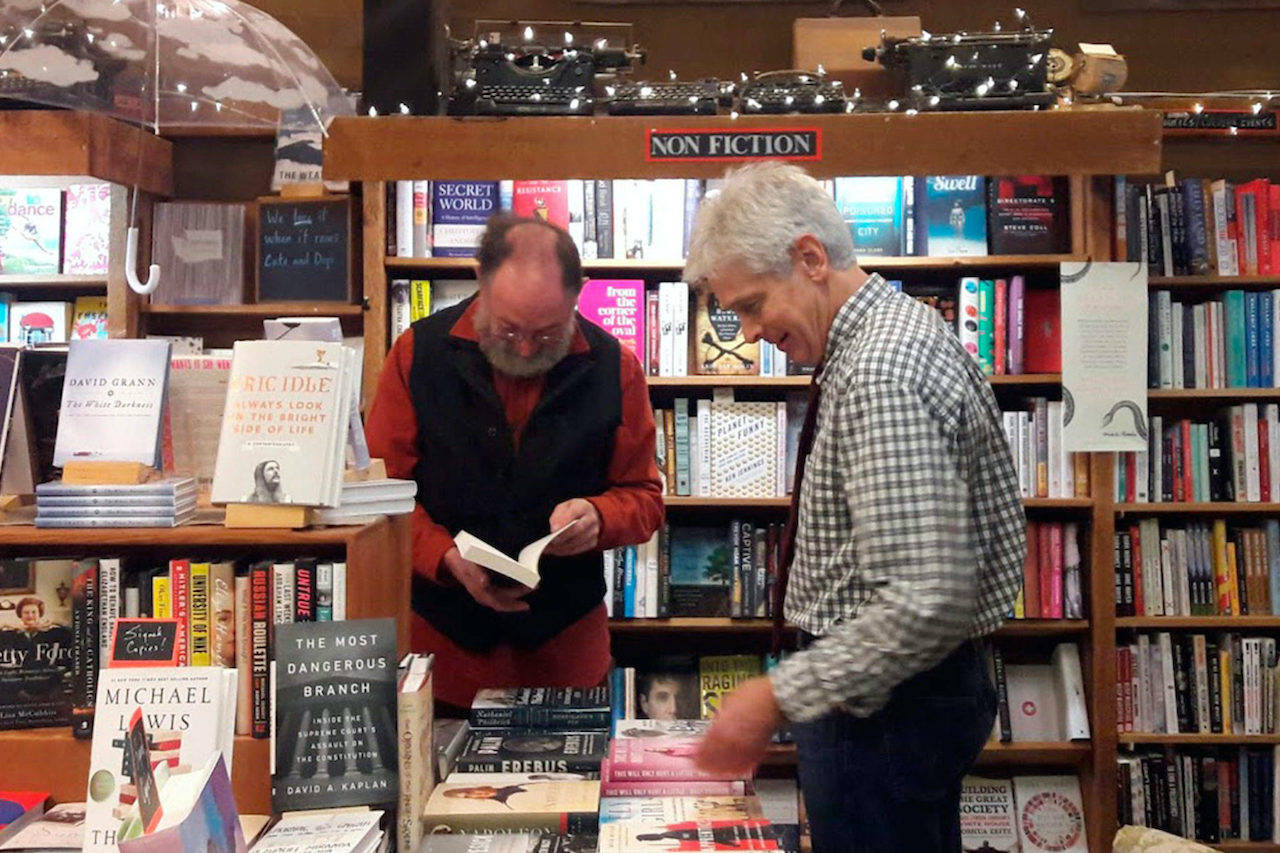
[(180, 604), (260, 607), (1175, 444), (304, 597), (1273, 219), (1262, 203), (1055, 582), (1046, 571), (1135, 548), (1001, 327), (1242, 249), (1130, 477), (1188, 469), (1264, 459)]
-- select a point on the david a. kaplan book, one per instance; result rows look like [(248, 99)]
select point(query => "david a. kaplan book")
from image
[(189, 714), (334, 734)]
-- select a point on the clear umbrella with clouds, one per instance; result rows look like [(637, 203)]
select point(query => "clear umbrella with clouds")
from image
[(164, 64)]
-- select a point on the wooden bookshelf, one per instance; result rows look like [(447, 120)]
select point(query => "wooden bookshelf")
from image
[(1133, 738), (681, 382), (1025, 380), (1048, 754), (1042, 627), (1058, 503), (1260, 846), (378, 575), (692, 625), (725, 503), (1205, 623), (1213, 282), (467, 266), (84, 145)]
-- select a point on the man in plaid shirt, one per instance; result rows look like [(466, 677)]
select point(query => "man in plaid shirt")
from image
[(910, 535)]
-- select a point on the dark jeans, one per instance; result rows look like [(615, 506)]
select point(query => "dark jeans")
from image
[(890, 783)]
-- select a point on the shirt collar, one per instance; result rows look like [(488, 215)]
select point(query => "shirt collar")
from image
[(853, 314)]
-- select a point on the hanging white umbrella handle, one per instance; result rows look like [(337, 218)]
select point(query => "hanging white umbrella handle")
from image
[(131, 267)]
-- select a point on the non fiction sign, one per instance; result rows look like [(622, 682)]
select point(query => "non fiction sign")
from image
[(734, 144)]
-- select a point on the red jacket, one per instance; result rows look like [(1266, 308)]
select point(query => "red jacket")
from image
[(630, 511)]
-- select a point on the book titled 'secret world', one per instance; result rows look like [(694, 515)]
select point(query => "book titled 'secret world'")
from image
[(459, 211)]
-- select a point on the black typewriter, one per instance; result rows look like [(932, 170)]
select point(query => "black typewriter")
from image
[(667, 98), (778, 92), (515, 68)]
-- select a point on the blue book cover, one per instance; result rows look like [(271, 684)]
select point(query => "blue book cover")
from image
[(951, 216), (30, 231), (1266, 341), (629, 595), (873, 208), (459, 211), (702, 571), (1237, 354), (1251, 339), (1197, 225)]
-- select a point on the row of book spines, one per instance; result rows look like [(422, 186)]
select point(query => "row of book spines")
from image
[(687, 453), (639, 576), (1196, 684), (1051, 580), (991, 324), (1045, 469), (1202, 569), (549, 719), (1213, 344), (1195, 226), (1234, 457), (1212, 797)]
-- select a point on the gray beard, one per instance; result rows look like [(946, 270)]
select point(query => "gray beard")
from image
[(501, 359)]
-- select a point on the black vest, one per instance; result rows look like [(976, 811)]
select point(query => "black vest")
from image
[(471, 476)]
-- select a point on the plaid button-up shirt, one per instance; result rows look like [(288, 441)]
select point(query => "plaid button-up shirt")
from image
[(912, 532)]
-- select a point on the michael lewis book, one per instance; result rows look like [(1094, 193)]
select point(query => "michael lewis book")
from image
[(334, 739), (189, 716), (951, 215), (521, 751), (30, 231), (35, 643)]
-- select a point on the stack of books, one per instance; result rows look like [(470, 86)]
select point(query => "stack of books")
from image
[(364, 501), (161, 503)]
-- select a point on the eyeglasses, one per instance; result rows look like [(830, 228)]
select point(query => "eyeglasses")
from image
[(514, 336)]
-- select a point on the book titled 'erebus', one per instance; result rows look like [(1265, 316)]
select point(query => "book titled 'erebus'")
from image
[(334, 741)]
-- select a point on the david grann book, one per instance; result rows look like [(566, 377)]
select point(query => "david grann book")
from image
[(334, 740)]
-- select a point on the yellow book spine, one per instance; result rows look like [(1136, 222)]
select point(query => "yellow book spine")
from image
[(161, 606), (419, 299), (1232, 579), (1224, 668), (199, 614), (1020, 605), (1221, 577)]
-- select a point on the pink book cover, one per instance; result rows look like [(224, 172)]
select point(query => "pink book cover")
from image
[(618, 307), (1000, 338), (673, 788), (1055, 584), (548, 200), (1016, 323), (669, 758), (84, 245)]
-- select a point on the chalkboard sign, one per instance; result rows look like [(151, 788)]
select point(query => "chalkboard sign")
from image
[(144, 642), (304, 249)]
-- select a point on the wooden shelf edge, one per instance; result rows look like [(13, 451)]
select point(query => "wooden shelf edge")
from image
[(1213, 623), (52, 281), (676, 265), (1142, 739), (1224, 394), (683, 501), (1233, 508), (1063, 754), (721, 624), (1042, 627), (260, 309), (180, 537), (1226, 282)]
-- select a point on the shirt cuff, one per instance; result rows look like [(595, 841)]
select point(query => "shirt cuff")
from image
[(430, 543), (804, 695)]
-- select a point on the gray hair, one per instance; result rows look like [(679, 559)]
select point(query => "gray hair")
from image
[(756, 217)]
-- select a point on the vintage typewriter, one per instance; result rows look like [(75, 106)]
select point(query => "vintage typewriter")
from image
[(968, 71), (778, 92), (516, 68), (667, 98)]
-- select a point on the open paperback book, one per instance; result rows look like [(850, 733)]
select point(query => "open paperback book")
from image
[(523, 569)]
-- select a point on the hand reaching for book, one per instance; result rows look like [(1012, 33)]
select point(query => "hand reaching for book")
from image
[(580, 538), (742, 730), (479, 583)]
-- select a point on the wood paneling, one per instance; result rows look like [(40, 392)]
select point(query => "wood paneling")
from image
[(52, 142)]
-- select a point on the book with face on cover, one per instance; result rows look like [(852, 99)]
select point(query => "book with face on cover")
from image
[(112, 402), (514, 804), (36, 642), (284, 425)]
